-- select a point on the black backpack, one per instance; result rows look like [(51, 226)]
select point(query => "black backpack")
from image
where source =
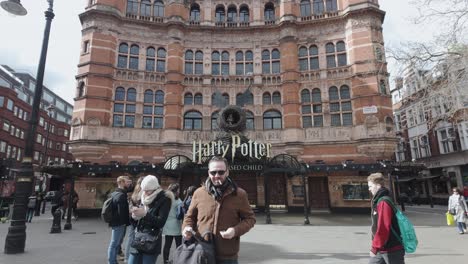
[(106, 211), (197, 250)]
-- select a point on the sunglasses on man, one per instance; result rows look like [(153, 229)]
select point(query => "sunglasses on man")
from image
[(219, 172)]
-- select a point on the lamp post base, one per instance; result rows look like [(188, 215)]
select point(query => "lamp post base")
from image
[(15, 241), (67, 226)]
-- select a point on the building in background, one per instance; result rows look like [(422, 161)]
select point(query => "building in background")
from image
[(432, 124), (16, 95), (150, 72)]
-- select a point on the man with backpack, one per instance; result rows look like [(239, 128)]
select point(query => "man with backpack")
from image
[(120, 215), (387, 247)]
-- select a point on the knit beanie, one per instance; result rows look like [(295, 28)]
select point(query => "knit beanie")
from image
[(150, 182)]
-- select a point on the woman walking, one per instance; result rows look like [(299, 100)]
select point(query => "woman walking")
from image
[(150, 217), (457, 207), (172, 229)]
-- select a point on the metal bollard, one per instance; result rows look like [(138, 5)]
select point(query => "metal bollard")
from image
[(56, 223)]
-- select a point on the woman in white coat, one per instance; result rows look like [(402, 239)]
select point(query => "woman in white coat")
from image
[(457, 207)]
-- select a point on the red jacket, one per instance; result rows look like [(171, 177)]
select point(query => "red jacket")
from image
[(383, 239)]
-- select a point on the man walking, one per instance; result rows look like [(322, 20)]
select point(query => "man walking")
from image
[(120, 216), (221, 208), (386, 246)]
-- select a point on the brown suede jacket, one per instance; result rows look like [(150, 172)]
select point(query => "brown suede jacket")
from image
[(207, 214)]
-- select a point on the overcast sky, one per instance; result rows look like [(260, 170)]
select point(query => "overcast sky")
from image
[(22, 37)]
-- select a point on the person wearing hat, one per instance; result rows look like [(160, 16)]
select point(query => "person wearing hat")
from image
[(151, 216)]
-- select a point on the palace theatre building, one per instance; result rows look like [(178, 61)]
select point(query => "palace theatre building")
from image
[(310, 77)]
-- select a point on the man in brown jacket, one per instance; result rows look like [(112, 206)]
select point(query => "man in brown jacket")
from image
[(221, 208)]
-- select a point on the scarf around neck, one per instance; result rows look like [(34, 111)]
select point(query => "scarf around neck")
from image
[(146, 200), (218, 191)]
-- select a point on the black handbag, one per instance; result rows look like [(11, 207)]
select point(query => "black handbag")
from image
[(146, 242), (195, 251)]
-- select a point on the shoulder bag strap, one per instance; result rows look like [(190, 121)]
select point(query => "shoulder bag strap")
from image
[(395, 210)]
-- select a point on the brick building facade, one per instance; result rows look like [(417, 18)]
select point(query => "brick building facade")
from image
[(53, 131), (149, 71)]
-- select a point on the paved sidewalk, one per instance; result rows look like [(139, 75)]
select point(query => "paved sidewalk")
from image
[(330, 239)]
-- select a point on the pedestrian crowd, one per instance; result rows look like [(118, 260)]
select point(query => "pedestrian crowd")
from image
[(217, 213)]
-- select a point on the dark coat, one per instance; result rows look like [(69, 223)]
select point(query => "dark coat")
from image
[(155, 218), (120, 212)]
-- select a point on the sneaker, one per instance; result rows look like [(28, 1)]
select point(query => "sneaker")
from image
[(461, 233)]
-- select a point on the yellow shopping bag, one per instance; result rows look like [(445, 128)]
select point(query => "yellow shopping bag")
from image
[(450, 219)]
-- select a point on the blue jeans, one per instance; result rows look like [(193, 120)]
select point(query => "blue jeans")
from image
[(461, 226), (29, 214), (117, 233), (141, 258), (130, 237), (227, 261)]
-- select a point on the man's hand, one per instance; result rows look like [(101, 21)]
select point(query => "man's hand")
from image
[(371, 254), (229, 233), (188, 232)]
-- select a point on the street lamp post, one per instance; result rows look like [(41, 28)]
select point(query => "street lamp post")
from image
[(16, 238)]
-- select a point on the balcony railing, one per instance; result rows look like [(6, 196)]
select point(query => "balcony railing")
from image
[(156, 19), (319, 16)]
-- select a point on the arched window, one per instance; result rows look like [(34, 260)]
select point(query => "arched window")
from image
[(318, 7), (389, 128), (120, 94), (159, 98), (214, 120), (148, 97), (150, 56), (383, 87), (249, 118), (158, 9), (269, 12), (341, 53), (153, 113), (193, 65), (276, 98), (316, 96), (271, 64), (198, 99), (308, 58), (266, 98), (188, 99), (195, 13), (161, 61), (244, 14), (246, 99), (340, 106), (122, 61), (132, 7), (124, 108), (81, 89), (145, 8), (244, 64), (225, 63), (331, 5), (192, 121), (215, 63), (272, 120), (312, 115), (220, 14), (303, 58), (131, 95), (232, 14), (305, 8), (305, 96), (314, 57), (330, 50), (226, 99)]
